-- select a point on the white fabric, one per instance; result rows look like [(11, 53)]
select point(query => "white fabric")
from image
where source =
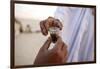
[(78, 32)]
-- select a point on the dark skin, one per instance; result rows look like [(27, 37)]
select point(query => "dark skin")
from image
[(49, 22), (56, 55)]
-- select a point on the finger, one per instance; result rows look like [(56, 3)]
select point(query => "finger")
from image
[(64, 53), (64, 50), (62, 46), (43, 29), (50, 21), (58, 24), (65, 59), (59, 43), (47, 44), (47, 25)]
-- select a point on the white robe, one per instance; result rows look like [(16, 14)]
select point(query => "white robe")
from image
[(77, 32)]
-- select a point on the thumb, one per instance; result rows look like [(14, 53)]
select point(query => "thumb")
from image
[(59, 43), (47, 44)]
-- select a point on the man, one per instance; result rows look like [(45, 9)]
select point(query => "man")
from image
[(77, 32)]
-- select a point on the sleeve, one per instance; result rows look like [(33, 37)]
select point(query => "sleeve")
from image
[(75, 27), (62, 13)]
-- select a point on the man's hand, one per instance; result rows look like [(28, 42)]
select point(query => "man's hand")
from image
[(50, 22), (56, 55)]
